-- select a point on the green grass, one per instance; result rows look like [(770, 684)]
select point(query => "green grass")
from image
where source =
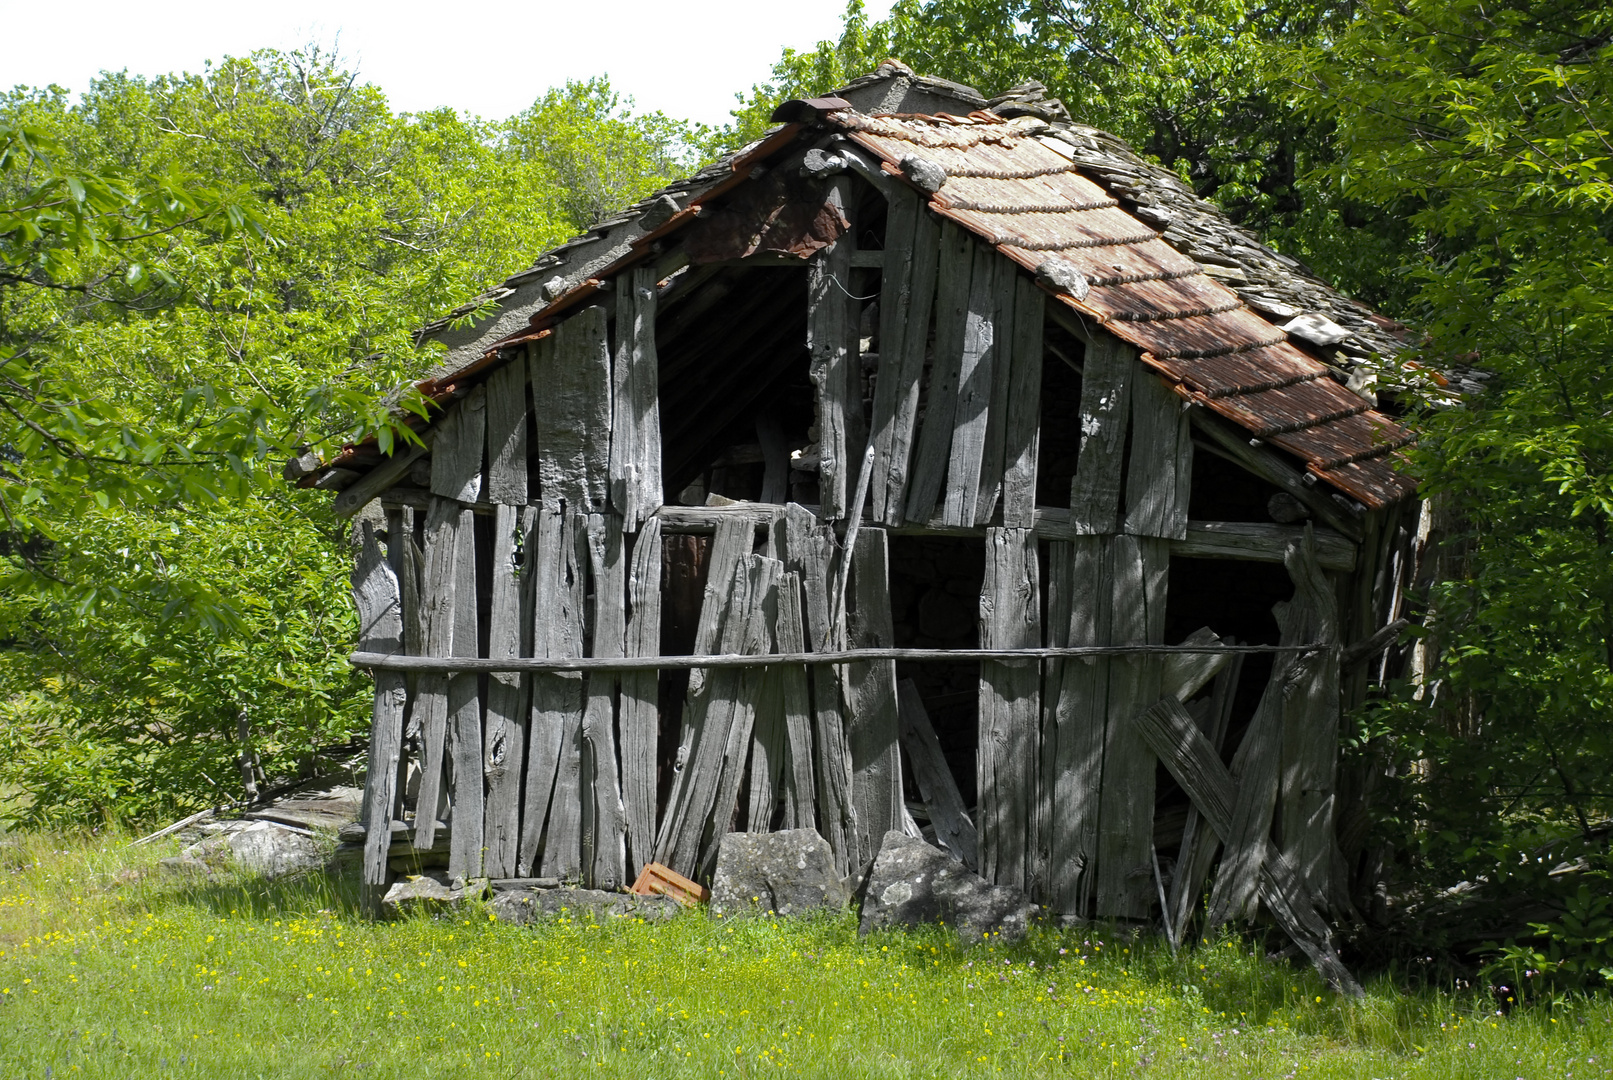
[(109, 971)]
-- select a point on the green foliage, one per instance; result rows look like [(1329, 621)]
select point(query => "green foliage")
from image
[(1572, 953), (169, 340)]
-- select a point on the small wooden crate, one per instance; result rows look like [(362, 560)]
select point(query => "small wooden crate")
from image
[(658, 880)]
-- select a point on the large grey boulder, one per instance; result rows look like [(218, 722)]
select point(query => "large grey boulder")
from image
[(514, 904), (786, 873), (273, 850), (913, 883)]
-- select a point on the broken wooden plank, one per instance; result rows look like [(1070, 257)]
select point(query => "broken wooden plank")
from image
[(640, 715), (508, 635), (832, 342), (953, 829), (350, 500), (607, 842), (872, 729), (809, 550), (1126, 816), (789, 635), (1022, 420), (1259, 541), (1171, 733), (906, 295), (1010, 707), (506, 435), (377, 597), (976, 376), (1159, 429), (562, 701), (1200, 842), (456, 454), (1185, 674), (431, 696), (1081, 719), (468, 791), (1106, 378), (933, 451)]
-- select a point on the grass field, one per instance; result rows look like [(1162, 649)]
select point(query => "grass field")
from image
[(107, 970)]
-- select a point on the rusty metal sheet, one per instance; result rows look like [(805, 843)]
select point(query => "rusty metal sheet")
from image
[(781, 214)]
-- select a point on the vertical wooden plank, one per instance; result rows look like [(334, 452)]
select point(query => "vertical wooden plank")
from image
[(1022, 424), (635, 448), (570, 373), (1310, 735), (456, 453), (594, 369), (624, 438), (1200, 842), (640, 718), (906, 296), (872, 735), (555, 632), (975, 378), (1010, 707), (563, 703), (377, 597), (832, 341), (506, 435), (808, 550), (1152, 496), (768, 757), (431, 704), (1002, 385), (556, 413), (953, 829), (929, 471), (465, 713), (1126, 816), (608, 565), (508, 636), (1081, 722), (1106, 378), (790, 635)]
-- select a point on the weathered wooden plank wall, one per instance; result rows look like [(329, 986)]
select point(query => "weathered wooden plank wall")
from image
[(378, 598), (1009, 752)]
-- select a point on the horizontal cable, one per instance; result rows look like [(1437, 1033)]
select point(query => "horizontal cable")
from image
[(399, 662)]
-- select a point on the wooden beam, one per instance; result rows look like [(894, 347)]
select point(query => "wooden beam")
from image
[(377, 597), (465, 713), (906, 297), (832, 340)]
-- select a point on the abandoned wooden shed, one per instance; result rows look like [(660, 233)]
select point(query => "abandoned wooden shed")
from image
[(1024, 501)]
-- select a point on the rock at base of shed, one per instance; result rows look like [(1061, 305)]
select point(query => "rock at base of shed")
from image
[(429, 894), (786, 873), (519, 904), (913, 883)]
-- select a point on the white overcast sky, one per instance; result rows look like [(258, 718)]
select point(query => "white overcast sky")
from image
[(687, 60)]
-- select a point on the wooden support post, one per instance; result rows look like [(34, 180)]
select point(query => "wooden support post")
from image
[(431, 701), (562, 703), (1022, 419), (1003, 376), (1105, 398), (506, 435), (976, 377), (953, 829), (832, 340), (467, 793), (456, 453), (607, 561), (872, 732), (1080, 720), (928, 475), (1161, 466), (640, 718), (377, 597), (635, 448), (789, 635), (906, 295), (1010, 708), (509, 635)]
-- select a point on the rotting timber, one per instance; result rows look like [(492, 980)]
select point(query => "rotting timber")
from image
[(895, 474)]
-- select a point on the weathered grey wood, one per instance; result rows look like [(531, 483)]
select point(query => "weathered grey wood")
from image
[(1255, 770), (356, 496), (872, 731), (1126, 817), (468, 789), (508, 635), (769, 784), (1010, 707), (953, 829), (377, 597), (1155, 506), (1200, 842), (1106, 379), (556, 631), (635, 449), (506, 435), (976, 375), (1186, 673), (564, 703), (456, 454), (431, 696), (1081, 719), (1232, 442), (808, 551), (1171, 733), (832, 341), (906, 296), (789, 635), (933, 452), (1261, 542), (1022, 418), (1005, 296), (570, 374), (1311, 730), (607, 559), (640, 716)]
